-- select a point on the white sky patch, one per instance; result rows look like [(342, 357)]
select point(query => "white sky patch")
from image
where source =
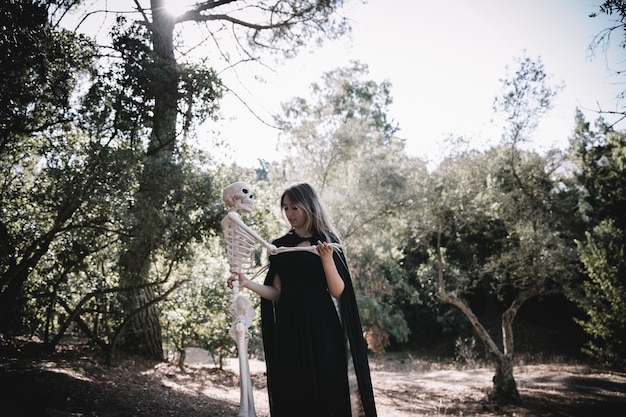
[(444, 61)]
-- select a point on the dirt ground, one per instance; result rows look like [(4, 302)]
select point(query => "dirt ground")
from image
[(75, 382)]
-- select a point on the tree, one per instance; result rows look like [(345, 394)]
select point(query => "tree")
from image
[(341, 140), (604, 294), (600, 158), (45, 169), (539, 261), (275, 25), (490, 245), (492, 224)]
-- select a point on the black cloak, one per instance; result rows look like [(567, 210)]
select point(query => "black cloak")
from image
[(350, 321)]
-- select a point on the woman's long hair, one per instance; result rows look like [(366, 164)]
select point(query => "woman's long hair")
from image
[(317, 221)]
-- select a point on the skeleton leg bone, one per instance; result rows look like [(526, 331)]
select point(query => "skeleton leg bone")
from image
[(243, 313)]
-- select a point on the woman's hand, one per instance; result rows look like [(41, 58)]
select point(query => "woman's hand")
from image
[(325, 250), (240, 278), (269, 292), (333, 279)]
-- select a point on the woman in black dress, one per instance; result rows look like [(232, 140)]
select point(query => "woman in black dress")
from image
[(305, 339)]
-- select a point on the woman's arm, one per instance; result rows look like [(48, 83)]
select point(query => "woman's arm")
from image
[(269, 292), (333, 279)]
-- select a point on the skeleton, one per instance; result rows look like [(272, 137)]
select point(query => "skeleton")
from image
[(240, 241)]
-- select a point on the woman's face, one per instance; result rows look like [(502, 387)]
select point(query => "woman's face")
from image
[(295, 215)]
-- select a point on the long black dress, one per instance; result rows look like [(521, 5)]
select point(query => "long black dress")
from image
[(305, 340)]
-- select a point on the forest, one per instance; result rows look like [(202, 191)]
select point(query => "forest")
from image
[(110, 209)]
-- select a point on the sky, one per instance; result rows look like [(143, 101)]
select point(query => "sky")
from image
[(444, 60)]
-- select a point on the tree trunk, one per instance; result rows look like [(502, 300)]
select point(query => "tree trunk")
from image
[(143, 333), (504, 389), (504, 385), (12, 301)]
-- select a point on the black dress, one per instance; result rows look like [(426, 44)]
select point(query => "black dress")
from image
[(305, 341)]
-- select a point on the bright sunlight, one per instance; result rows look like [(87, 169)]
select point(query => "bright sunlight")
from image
[(177, 7)]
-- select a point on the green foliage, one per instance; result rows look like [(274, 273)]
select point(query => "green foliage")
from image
[(604, 292), (41, 66), (382, 292), (341, 141), (601, 174), (343, 124), (600, 155), (526, 96), (197, 314), (67, 202), (122, 99), (503, 234), (57, 180)]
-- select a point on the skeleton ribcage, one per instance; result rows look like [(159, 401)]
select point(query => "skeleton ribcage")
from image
[(239, 248)]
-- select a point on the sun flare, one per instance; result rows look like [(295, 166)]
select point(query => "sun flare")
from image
[(176, 7)]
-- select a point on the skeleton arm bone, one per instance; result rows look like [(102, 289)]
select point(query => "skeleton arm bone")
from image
[(312, 248)]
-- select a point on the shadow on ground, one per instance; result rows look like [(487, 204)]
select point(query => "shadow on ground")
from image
[(76, 382)]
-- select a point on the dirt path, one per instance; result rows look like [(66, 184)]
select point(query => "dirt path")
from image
[(73, 384), (410, 387), (546, 390)]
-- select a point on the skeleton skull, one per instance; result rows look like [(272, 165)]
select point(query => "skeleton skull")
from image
[(238, 196)]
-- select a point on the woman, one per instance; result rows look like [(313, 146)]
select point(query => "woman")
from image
[(303, 336)]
